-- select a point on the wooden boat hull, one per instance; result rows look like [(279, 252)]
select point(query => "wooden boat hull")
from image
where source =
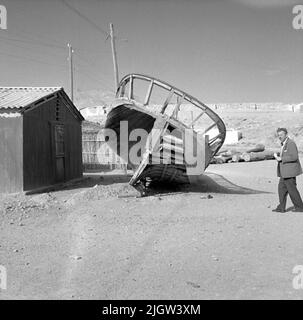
[(160, 172), (162, 158)]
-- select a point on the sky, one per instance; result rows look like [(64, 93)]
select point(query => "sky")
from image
[(219, 51)]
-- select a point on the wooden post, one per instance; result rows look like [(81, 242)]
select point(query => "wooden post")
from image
[(192, 119), (71, 70), (114, 54)]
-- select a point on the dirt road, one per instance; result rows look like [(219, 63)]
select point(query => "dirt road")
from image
[(98, 241)]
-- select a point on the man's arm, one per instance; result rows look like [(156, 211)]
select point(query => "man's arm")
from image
[(291, 155)]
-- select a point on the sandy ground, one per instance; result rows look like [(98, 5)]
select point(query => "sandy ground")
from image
[(96, 240)]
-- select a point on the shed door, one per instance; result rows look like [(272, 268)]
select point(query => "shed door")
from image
[(59, 152)]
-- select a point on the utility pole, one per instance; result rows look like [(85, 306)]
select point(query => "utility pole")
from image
[(114, 54), (71, 70)]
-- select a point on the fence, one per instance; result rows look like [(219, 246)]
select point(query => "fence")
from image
[(97, 156)]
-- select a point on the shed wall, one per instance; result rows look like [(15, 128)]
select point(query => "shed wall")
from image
[(11, 155), (39, 145)]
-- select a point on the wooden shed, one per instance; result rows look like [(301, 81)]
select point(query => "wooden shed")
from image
[(40, 138)]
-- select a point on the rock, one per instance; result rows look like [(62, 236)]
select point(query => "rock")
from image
[(42, 199), (194, 285), (76, 257), (209, 196)]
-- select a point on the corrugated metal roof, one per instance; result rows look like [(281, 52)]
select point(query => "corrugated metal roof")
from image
[(10, 115), (20, 97)]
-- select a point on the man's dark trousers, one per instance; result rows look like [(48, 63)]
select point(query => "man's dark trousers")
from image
[(288, 169), (289, 186)]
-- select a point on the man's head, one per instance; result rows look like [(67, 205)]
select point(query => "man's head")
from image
[(282, 134)]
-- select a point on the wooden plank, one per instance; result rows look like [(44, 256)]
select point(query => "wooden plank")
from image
[(212, 140), (165, 104), (169, 147), (173, 158), (172, 139), (153, 139), (122, 90), (131, 87), (147, 97), (210, 127), (177, 106), (196, 119)]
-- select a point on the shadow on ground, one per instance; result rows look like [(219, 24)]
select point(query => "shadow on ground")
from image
[(212, 182), (209, 182), (88, 181)]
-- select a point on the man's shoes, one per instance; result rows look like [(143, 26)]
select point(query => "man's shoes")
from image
[(297, 210), (278, 210)]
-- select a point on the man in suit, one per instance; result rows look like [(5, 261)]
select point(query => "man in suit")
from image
[(289, 168)]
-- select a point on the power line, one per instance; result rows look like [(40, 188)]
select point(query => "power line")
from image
[(34, 36), (32, 42), (30, 59), (88, 76), (98, 77), (30, 49), (80, 14), (87, 63), (22, 57), (104, 85)]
